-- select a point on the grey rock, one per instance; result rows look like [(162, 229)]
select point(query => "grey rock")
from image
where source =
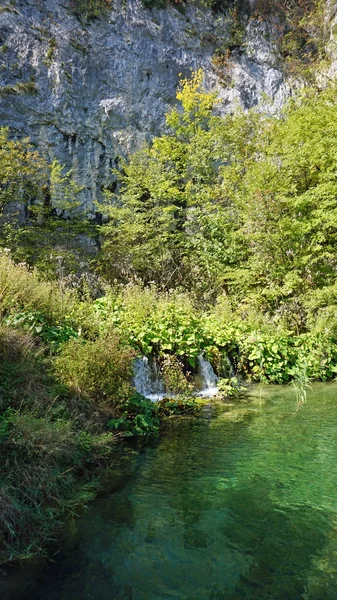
[(103, 88)]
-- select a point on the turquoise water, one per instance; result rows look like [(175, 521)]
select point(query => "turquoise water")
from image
[(237, 505)]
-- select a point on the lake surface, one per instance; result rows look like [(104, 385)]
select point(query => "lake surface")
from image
[(238, 505)]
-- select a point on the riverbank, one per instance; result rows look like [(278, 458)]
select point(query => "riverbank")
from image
[(67, 394)]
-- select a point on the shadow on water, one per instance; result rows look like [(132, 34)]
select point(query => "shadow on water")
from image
[(241, 506)]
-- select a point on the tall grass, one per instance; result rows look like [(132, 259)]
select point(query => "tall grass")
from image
[(54, 438), (21, 287)]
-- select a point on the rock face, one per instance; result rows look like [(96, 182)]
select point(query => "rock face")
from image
[(86, 93)]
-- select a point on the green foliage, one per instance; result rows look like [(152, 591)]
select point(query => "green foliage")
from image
[(231, 387), (166, 216), (227, 206), (180, 405), (23, 173), (153, 322), (303, 34), (37, 324), (288, 210), (174, 377), (40, 217), (100, 370), (263, 352), (22, 289), (53, 439), (6, 423), (56, 236), (90, 9), (52, 447), (301, 385), (171, 328), (137, 417)]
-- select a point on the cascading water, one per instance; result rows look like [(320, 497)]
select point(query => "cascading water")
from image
[(147, 379), (209, 378)]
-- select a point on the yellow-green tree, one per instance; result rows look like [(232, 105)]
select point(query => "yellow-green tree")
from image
[(171, 203)]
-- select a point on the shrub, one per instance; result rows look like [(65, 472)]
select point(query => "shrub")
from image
[(173, 374), (231, 387), (90, 9), (99, 369), (137, 417), (21, 288), (43, 476), (181, 405), (20, 369), (155, 323), (52, 446)]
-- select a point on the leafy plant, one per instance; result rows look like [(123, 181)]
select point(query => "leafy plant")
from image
[(137, 417), (36, 323), (175, 379), (231, 387), (21, 289), (180, 405), (301, 384)]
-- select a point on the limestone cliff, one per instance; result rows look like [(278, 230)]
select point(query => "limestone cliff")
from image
[(88, 92)]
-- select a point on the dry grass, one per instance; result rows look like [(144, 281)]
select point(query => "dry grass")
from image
[(21, 287)]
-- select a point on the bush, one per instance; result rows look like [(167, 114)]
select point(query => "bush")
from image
[(181, 405), (176, 381), (155, 323), (21, 288), (137, 417), (90, 9), (231, 387), (100, 370), (46, 474), (20, 370)]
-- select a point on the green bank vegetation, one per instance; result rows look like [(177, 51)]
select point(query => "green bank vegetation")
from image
[(221, 241), (240, 208)]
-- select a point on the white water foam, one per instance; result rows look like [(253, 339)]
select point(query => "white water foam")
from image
[(210, 379), (147, 379)]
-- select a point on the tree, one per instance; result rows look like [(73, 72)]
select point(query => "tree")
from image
[(40, 216), (243, 205), (287, 202), (57, 235), (23, 172), (170, 206)]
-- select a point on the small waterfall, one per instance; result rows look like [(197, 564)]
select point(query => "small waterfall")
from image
[(147, 379), (209, 378), (148, 382)]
